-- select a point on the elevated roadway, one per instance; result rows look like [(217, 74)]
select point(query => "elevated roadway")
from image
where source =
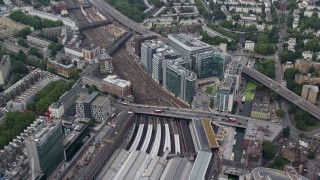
[(283, 91), (103, 6)]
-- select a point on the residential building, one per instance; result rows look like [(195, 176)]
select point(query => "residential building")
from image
[(19, 103), (225, 95), (100, 108), (179, 81), (45, 148), (249, 45), (210, 63), (41, 14), (114, 85), (162, 54), (5, 66), (90, 52), (61, 68), (234, 70), (291, 44), (304, 66), (307, 55), (188, 45), (10, 45), (310, 93), (38, 41), (226, 12), (148, 49), (299, 78), (105, 62)]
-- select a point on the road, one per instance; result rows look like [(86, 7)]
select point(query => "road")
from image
[(110, 143), (104, 7), (190, 113)]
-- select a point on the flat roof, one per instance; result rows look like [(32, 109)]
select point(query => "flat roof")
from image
[(113, 79), (313, 88), (177, 168), (261, 173), (100, 100), (200, 165), (200, 132), (270, 130), (91, 97), (211, 136)]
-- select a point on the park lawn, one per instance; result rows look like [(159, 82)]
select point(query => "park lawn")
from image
[(250, 86)]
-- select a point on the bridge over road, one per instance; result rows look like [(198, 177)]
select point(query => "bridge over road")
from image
[(283, 91)]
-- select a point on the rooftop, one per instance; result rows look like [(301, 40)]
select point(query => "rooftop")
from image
[(91, 97), (313, 88), (200, 165), (261, 173), (199, 131), (269, 130), (227, 83), (175, 65), (113, 79), (100, 100), (209, 132)]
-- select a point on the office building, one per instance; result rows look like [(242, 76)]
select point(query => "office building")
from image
[(105, 62), (114, 85), (188, 45), (100, 108), (162, 54), (74, 138), (148, 49), (93, 106), (45, 148), (139, 40), (310, 93), (179, 81), (224, 99), (210, 63), (5, 66), (83, 104)]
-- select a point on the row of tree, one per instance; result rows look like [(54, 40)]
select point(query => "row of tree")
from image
[(48, 95), (301, 118), (33, 21)]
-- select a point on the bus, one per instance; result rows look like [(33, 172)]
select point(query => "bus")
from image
[(158, 111), (232, 120), (112, 115)]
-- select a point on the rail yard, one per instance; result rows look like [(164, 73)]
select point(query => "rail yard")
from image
[(145, 90)]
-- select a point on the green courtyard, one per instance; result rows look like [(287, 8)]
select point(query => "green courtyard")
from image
[(250, 86)]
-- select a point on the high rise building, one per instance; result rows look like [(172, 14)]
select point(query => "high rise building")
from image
[(234, 70), (178, 80), (148, 49), (188, 45), (139, 40), (45, 148), (310, 93), (163, 53), (210, 63), (5, 66), (224, 99)]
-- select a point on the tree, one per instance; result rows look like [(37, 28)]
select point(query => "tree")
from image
[(114, 96), (302, 135), (268, 149), (91, 122), (25, 32), (311, 154), (286, 132), (280, 113)]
